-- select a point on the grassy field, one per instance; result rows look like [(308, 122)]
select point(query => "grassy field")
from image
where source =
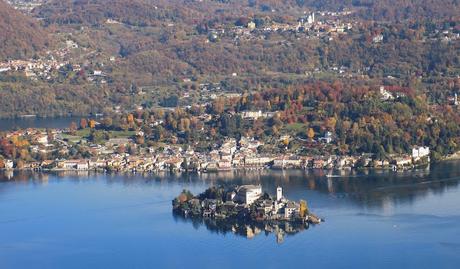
[(84, 134), (295, 128)]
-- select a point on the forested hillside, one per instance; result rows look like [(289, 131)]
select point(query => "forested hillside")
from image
[(150, 12), (109, 50), (20, 36)]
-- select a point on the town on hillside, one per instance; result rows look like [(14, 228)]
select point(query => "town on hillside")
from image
[(31, 149)]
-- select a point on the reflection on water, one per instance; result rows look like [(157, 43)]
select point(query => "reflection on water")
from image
[(244, 228), (374, 219), (367, 188)]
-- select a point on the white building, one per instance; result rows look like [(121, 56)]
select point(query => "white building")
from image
[(5, 69), (311, 18), (279, 193), (386, 95), (248, 194), (75, 165), (327, 138), (420, 152), (43, 139), (377, 39), (82, 165), (290, 210), (254, 115), (9, 164)]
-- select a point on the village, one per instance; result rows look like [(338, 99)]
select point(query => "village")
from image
[(243, 207), (122, 154), (324, 24)]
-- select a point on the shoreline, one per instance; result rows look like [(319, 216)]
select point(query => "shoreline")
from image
[(233, 169)]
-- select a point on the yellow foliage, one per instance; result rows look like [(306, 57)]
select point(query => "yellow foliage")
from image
[(286, 141), (303, 208), (311, 133), (92, 124)]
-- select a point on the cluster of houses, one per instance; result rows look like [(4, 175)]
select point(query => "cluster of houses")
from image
[(386, 95), (246, 202), (330, 23), (33, 69), (246, 211), (25, 5), (230, 154), (44, 67)]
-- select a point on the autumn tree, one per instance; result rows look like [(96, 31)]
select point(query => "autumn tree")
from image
[(92, 124), (73, 127), (130, 119), (121, 149), (83, 123), (20, 164), (107, 122), (311, 133), (218, 106), (303, 208), (140, 140)]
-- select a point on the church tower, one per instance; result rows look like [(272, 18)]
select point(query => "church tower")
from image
[(279, 193)]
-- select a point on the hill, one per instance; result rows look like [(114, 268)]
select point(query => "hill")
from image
[(20, 36), (96, 12)]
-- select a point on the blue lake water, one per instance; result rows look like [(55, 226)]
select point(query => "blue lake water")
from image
[(34, 122), (373, 220)]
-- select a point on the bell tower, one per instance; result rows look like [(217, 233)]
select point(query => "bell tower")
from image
[(279, 193)]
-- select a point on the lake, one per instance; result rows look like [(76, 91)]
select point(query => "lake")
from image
[(37, 122), (374, 219)]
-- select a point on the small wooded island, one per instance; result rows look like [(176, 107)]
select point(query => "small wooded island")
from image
[(244, 205)]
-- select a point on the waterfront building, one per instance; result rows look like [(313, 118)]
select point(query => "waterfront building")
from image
[(9, 164), (248, 194), (420, 152)]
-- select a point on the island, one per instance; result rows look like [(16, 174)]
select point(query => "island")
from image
[(245, 210)]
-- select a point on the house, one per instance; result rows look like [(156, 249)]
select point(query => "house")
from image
[(238, 160), (82, 165), (9, 164), (318, 163), (224, 165), (381, 163), (98, 163), (420, 152), (174, 163), (32, 165), (41, 139), (47, 163), (229, 146), (290, 209), (327, 138), (402, 161), (226, 157), (119, 141), (251, 25), (287, 162), (257, 161), (248, 194), (377, 38), (385, 95), (254, 115), (74, 165)]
